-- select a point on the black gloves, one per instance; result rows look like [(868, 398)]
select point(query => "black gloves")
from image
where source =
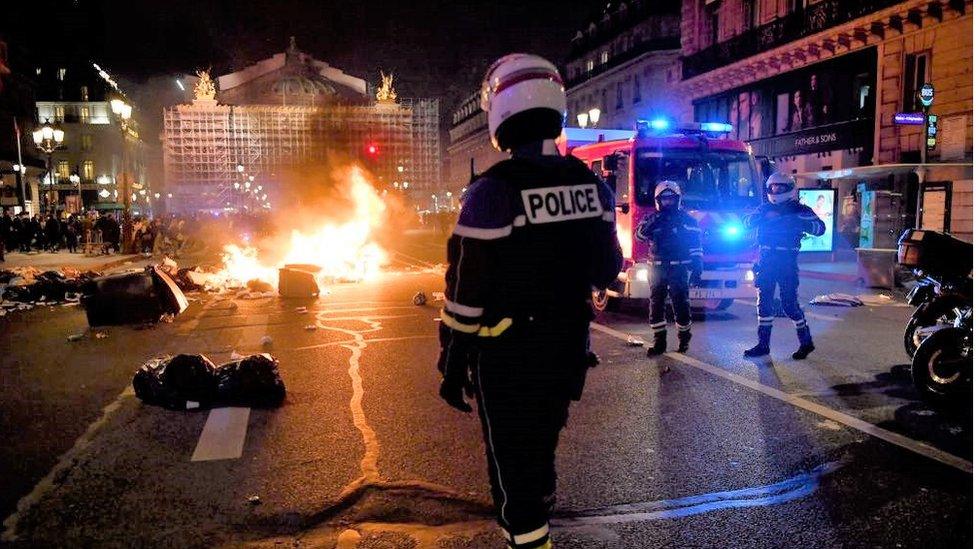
[(457, 358), (696, 272)]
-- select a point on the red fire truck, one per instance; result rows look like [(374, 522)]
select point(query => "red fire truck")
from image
[(720, 179)]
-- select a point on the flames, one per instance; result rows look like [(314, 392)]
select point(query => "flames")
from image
[(343, 250)]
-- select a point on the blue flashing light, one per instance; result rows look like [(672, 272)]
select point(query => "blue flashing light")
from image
[(732, 231), (659, 124), (717, 127)]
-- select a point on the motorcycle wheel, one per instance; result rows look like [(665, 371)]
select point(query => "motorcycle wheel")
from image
[(942, 366), (927, 314)]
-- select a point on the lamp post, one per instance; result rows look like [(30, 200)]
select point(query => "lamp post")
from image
[(48, 138), (123, 111)]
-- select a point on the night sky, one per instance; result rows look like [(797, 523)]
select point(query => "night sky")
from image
[(435, 49)]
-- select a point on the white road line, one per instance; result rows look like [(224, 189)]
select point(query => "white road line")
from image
[(808, 314), (909, 444), (223, 435)]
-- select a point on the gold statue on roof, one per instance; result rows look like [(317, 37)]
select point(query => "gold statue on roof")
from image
[(386, 93), (205, 88)]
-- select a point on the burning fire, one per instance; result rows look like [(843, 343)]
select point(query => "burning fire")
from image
[(344, 251)]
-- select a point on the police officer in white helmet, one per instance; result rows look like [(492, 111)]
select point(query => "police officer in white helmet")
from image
[(675, 258), (535, 234), (781, 223)]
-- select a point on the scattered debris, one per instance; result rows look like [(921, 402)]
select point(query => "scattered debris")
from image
[(311, 327), (420, 298), (259, 286), (301, 310), (254, 500), (100, 335), (169, 266), (438, 296), (837, 300), (635, 341), (76, 337), (252, 381), (235, 356), (266, 341)]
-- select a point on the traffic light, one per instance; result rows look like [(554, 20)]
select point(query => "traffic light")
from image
[(372, 150)]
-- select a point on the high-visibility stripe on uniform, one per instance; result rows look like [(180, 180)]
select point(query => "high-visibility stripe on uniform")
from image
[(800, 323), (455, 324), (685, 328), (530, 537), (465, 310), (496, 330), (480, 233), (684, 262)]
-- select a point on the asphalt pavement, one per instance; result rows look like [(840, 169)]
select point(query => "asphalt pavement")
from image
[(697, 450)]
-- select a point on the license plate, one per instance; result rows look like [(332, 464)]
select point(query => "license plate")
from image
[(704, 293)]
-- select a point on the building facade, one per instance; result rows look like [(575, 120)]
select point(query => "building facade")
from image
[(815, 85), (470, 150), (20, 165), (623, 63), (282, 116), (99, 146)]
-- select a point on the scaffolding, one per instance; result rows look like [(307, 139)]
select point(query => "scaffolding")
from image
[(204, 142)]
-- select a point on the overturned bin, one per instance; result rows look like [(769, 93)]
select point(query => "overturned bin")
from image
[(131, 298), (298, 280)]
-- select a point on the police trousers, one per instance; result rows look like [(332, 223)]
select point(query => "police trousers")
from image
[(778, 268), (525, 380), (670, 280)]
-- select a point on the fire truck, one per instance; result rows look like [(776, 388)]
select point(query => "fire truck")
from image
[(720, 179)]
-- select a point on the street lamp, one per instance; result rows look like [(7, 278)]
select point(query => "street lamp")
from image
[(581, 119), (76, 180), (123, 111), (594, 116), (48, 138)]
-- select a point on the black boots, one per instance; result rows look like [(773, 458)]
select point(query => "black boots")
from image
[(761, 348), (660, 344), (806, 343), (683, 338)]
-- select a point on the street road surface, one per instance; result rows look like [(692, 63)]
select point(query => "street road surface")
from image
[(835, 451)]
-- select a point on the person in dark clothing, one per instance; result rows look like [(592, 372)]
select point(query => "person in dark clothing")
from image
[(71, 234), (53, 233), (781, 224), (6, 225), (35, 234), (535, 235), (675, 255)]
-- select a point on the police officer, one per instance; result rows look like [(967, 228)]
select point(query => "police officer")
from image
[(781, 223), (535, 235), (675, 254)]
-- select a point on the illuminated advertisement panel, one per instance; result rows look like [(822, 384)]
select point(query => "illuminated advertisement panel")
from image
[(821, 201)]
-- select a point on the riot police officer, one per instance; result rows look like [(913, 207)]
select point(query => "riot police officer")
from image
[(675, 255), (535, 235), (781, 224)]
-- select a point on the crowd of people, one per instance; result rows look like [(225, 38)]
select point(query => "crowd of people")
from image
[(92, 233)]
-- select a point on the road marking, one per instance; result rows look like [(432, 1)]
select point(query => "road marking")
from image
[(809, 314), (223, 435), (790, 489), (902, 441), (353, 341)]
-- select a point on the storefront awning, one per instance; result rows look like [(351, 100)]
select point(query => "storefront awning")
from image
[(107, 206), (926, 171)]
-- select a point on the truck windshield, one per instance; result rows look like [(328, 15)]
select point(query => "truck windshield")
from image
[(714, 180)]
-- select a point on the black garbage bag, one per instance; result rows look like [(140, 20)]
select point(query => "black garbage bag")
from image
[(252, 381), (52, 285), (182, 382), (131, 298), (21, 294)]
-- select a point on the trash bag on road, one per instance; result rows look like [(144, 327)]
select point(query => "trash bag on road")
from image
[(837, 300), (131, 298), (182, 382), (252, 381)]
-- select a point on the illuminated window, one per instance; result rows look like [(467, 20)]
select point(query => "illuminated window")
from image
[(589, 65), (620, 95), (85, 115), (88, 170), (604, 57), (61, 73), (59, 113), (637, 90), (86, 142), (84, 93), (63, 172)]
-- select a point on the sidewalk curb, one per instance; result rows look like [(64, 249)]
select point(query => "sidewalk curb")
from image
[(834, 277)]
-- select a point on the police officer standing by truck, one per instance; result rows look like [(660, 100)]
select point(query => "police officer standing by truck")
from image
[(535, 235), (781, 224), (674, 240)]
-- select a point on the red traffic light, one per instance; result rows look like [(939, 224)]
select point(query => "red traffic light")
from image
[(372, 149)]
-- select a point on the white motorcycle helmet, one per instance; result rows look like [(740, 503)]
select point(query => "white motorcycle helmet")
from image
[(780, 188), (667, 189), (525, 100)]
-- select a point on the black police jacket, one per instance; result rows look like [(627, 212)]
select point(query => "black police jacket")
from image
[(780, 227), (673, 236), (535, 235)]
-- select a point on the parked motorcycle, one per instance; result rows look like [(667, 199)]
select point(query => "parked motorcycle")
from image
[(939, 334)]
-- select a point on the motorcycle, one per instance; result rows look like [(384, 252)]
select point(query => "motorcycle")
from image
[(942, 369), (935, 298), (939, 334)]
